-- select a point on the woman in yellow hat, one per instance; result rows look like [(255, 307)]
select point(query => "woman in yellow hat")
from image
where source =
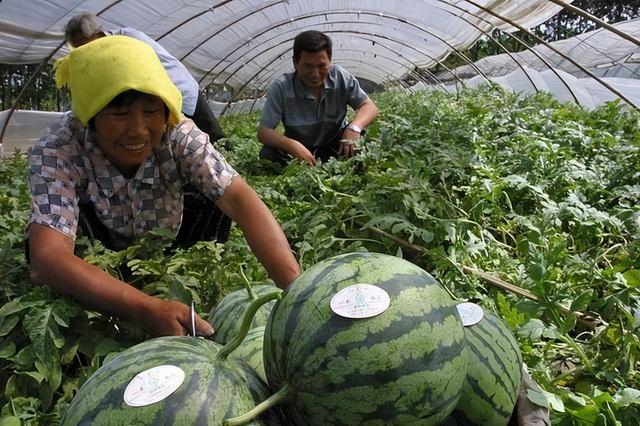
[(118, 166)]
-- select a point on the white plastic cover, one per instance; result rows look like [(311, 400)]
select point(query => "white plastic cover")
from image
[(601, 52), (564, 86), (245, 43), (598, 53), (24, 129)]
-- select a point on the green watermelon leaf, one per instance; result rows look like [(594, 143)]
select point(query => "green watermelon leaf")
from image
[(35, 375), (10, 421), (50, 369), (627, 396), (63, 310), (7, 324), (576, 400), (546, 399), (26, 356), (41, 327), (633, 278), (535, 329), (69, 352), (425, 235), (15, 305), (582, 301), (7, 349)]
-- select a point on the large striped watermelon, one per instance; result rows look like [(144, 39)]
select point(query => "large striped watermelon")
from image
[(406, 365), (226, 315), (250, 351), (173, 380), (494, 376)]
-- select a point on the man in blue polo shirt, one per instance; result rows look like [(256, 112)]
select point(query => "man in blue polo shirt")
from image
[(312, 105)]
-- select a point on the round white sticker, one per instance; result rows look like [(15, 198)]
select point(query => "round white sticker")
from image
[(153, 385), (360, 301), (470, 313)]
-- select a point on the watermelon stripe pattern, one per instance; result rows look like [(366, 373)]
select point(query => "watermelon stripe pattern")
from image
[(212, 390), (406, 365), (227, 315), (494, 376), (249, 352)]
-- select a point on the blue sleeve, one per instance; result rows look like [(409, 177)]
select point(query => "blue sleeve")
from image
[(273, 109), (355, 95)]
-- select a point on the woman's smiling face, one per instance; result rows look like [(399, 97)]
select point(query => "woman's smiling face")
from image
[(128, 131)]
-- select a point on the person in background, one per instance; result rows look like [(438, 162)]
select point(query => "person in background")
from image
[(126, 153), (312, 105), (84, 28)]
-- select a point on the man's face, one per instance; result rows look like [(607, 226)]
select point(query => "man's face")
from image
[(312, 68), (127, 134)]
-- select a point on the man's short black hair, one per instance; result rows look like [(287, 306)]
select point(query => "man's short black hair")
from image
[(312, 42)]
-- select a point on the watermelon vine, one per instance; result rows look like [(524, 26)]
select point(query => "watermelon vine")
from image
[(532, 192)]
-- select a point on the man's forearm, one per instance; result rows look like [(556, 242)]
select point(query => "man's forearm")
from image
[(292, 147), (272, 138), (365, 114)]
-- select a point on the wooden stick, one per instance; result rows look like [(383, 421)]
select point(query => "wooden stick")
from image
[(497, 282)]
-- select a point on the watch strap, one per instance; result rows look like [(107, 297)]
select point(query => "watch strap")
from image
[(355, 128)]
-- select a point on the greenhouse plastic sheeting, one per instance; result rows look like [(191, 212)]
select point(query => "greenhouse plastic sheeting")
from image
[(244, 43), (25, 128), (563, 86), (240, 107), (601, 52)]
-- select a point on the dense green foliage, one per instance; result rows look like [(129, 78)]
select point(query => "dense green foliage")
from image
[(542, 195), (34, 83)]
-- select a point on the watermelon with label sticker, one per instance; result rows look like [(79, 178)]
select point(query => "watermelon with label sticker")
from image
[(173, 380), (364, 338)]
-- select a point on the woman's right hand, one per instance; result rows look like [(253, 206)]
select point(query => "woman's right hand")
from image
[(170, 318), (54, 263)]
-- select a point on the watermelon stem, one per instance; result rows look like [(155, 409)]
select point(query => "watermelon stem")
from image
[(247, 285), (260, 408), (247, 319)]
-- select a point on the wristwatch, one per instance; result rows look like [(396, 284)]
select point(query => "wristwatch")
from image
[(355, 128)]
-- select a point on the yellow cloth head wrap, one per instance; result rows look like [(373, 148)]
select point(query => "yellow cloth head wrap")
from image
[(100, 70)]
